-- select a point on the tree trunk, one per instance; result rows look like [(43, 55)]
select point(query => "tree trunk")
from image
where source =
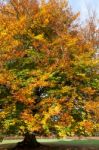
[(29, 142)]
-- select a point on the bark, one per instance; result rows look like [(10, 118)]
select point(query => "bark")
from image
[(29, 142)]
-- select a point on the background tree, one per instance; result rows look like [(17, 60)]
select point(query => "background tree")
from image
[(48, 79), (91, 29)]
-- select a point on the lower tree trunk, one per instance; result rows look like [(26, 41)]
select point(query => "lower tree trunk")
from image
[(29, 142)]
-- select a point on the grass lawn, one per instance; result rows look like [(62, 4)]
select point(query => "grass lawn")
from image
[(69, 142), (90, 144)]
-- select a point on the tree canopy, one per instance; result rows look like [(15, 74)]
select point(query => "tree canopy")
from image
[(48, 76)]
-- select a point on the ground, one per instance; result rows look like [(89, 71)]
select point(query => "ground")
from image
[(57, 144)]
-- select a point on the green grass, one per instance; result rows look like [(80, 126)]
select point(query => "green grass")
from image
[(9, 141), (58, 142), (80, 142)]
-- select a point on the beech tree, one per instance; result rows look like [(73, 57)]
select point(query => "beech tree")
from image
[(48, 77)]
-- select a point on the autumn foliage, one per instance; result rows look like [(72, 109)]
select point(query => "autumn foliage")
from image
[(48, 75)]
